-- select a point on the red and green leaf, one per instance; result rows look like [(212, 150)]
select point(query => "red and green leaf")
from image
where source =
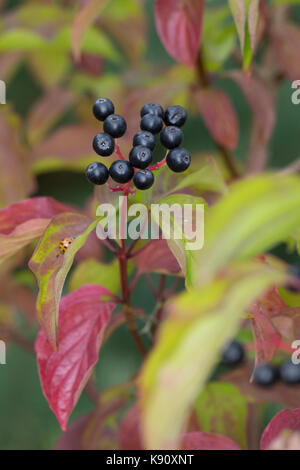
[(84, 18), (83, 315), (51, 268), (285, 420), (247, 21), (24, 221), (222, 409)]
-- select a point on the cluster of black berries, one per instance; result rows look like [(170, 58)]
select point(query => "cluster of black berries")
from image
[(264, 374), (153, 118)]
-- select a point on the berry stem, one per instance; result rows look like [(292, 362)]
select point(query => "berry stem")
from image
[(125, 288), (158, 165), (118, 152)]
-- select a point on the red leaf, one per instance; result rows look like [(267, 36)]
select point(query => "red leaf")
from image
[(284, 420), (179, 26), (262, 105), (130, 435), (16, 181), (285, 45), (266, 337), (22, 222), (219, 116), (72, 438), (207, 441), (79, 140), (64, 373), (260, 101), (157, 257)]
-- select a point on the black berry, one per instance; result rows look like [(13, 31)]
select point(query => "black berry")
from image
[(151, 123), (175, 116), (171, 137), (121, 171), (178, 160), (140, 157), (233, 354), (144, 138), (97, 173), (293, 284), (102, 108), (152, 108), (143, 179), (289, 372), (103, 144), (115, 125), (265, 375)]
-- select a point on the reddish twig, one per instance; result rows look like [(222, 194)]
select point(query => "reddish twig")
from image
[(118, 152), (158, 165), (126, 291)]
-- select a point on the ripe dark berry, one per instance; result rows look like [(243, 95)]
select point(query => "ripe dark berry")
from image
[(151, 123), (178, 160), (121, 171), (143, 179), (103, 144), (265, 375), (152, 108), (175, 116), (293, 283), (102, 108), (289, 372), (144, 138), (140, 157), (97, 173), (171, 137), (115, 125), (233, 354)]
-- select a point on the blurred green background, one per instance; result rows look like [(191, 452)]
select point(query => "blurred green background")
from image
[(26, 422)]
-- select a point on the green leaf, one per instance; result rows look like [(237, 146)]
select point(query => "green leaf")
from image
[(219, 37), (203, 175), (95, 42), (182, 248), (83, 20), (207, 178), (20, 39), (189, 342), (222, 409), (91, 271), (122, 9), (246, 17), (51, 268), (257, 214)]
